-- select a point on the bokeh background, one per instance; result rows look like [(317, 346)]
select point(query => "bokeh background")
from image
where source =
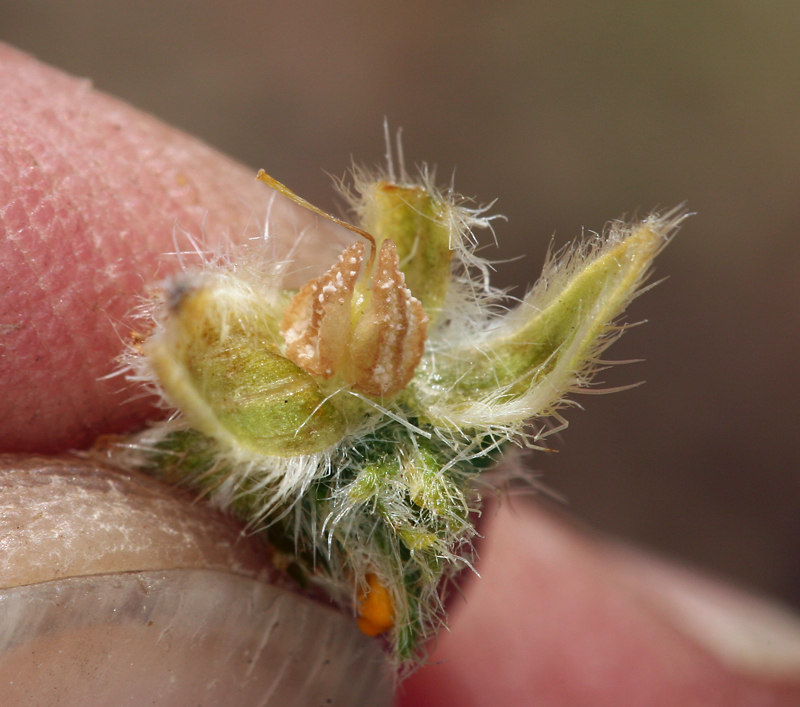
[(570, 114)]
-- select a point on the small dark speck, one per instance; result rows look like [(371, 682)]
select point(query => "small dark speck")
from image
[(327, 661), (149, 623), (329, 701), (178, 292)]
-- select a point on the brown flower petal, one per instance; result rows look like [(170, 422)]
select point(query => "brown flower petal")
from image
[(316, 324), (389, 339)]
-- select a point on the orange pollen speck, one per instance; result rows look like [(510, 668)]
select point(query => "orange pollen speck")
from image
[(375, 608)]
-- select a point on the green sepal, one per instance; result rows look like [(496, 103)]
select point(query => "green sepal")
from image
[(562, 323), (415, 219), (223, 371)]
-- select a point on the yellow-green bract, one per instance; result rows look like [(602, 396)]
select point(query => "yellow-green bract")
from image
[(352, 420), (223, 370)]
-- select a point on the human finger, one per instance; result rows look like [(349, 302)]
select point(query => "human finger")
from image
[(559, 618), (94, 196)]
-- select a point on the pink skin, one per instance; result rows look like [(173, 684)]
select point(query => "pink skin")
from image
[(90, 193)]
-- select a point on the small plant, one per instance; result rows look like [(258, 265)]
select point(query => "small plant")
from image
[(353, 420)]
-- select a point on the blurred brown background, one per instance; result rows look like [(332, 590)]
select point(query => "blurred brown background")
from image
[(570, 114)]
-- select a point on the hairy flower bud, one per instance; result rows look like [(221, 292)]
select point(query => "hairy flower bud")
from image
[(350, 420)]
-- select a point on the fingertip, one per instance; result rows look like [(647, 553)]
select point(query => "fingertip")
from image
[(118, 589), (556, 620), (91, 193)]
